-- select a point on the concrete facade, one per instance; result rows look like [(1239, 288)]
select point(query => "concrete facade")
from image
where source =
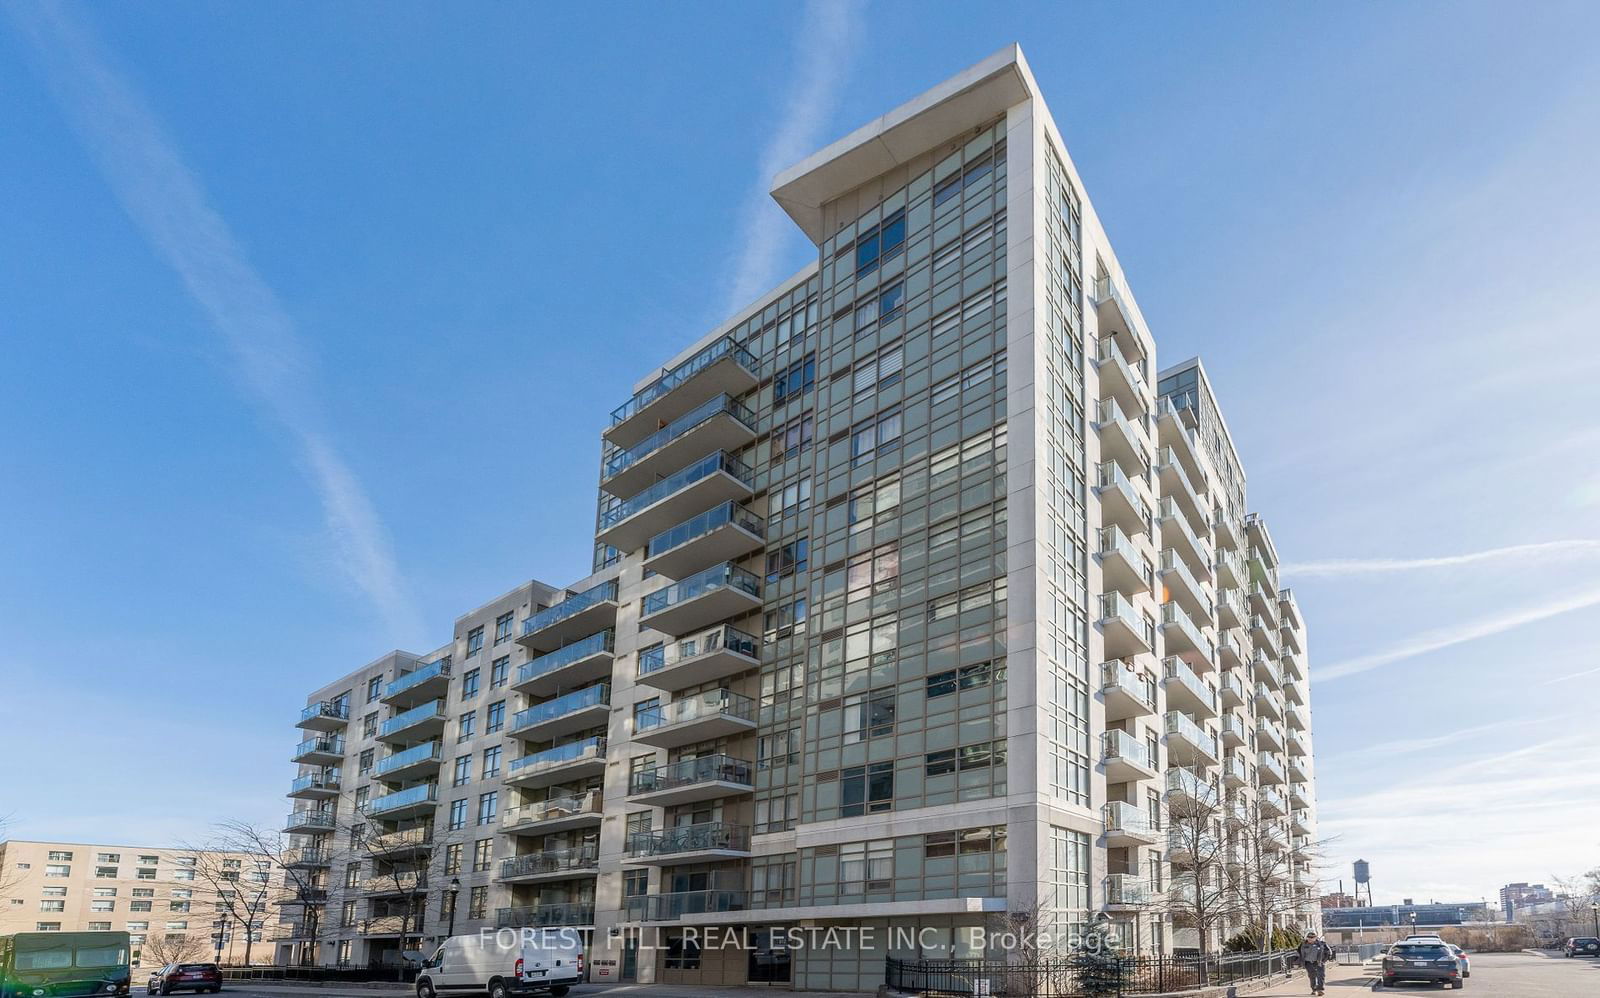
[(915, 590)]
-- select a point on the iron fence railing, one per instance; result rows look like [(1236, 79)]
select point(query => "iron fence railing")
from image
[(1065, 978)]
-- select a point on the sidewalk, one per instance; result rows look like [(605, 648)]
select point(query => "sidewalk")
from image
[(1342, 980)]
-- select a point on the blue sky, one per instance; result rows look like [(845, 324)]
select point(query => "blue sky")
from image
[(310, 317)]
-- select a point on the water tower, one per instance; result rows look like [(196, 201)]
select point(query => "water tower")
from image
[(1363, 878)]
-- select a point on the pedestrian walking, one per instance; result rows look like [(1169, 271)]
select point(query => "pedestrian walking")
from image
[(1314, 956)]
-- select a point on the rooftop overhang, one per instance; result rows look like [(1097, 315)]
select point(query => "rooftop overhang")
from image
[(970, 98)]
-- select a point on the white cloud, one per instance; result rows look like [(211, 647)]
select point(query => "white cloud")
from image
[(1570, 676), (169, 205), (826, 45), (1551, 550)]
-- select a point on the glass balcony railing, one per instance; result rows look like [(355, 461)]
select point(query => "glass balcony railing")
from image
[(728, 576), (698, 706), (1117, 676), (703, 468), (1118, 744), (604, 592), (545, 915), (426, 752), (416, 677), (671, 907), (704, 837), (719, 516), (1232, 724), (724, 347), (688, 772), (718, 639), (1128, 888), (1128, 818), (1168, 459), (1167, 511), (1171, 562), (595, 644), (1117, 607), (407, 838), (571, 703), (1180, 725), (321, 746), (1235, 769), (310, 819), (592, 747), (334, 710), (707, 410), (1231, 684), (319, 781), (1181, 781), (1176, 669), (422, 793), (1270, 765), (430, 711), (1111, 476), (565, 806), (550, 861)]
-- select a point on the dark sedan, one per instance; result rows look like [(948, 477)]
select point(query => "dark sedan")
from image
[(196, 977), (1432, 963), (1583, 946)]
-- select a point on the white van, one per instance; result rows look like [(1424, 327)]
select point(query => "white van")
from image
[(504, 963)]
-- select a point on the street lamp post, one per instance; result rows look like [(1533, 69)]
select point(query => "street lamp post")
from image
[(1594, 909), (455, 891)]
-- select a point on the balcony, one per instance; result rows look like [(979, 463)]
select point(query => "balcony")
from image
[(1266, 640), (1232, 731), (309, 822), (1289, 640), (1230, 570), (1188, 743), (1289, 609), (718, 424), (1184, 637), (325, 715), (1268, 703), (1231, 691), (700, 717), (674, 907), (1294, 666), (1126, 758), (418, 722), (1184, 787), (715, 478), (551, 864), (554, 814), (319, 786), (1118, 379), (568, 667), (1187, 691), (1299, 796), (1188, 846), (1120, 501), (702, 599), (716, 654), (1297, 744), (1127, 825), (1127, 632), (572, 761), (1127, 692), (1229, 610), (578, 616), (707, 842), (1176, 484), (1272, 802), (1122, 564), (1299, 767), (406, 841), (723, 533), (1121, 440), (721, 368), (1176, 426), (1265, 671), (1227, 531), (1264, 604), (411, 802), (410, 763), (1178, 535), (307, 896), (1128, 890), (396, 882), (690, 780), (1269, 735), (578, 914), (565, 715), (1293, 716), (1269, 771), (1116, 319), (1231, 651), (1180, 586), (1235, 774), (324, 750), (424, 683), (307, 858)]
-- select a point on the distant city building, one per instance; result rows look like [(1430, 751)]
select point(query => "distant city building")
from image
[(1518, 895), (1338, 899), (1431, 915)]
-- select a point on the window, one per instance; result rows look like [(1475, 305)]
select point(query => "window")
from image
[(478, 903), (56, 870), (57, 855), (780, 748), (352, 875), (24, 866), (885, 306), (952, 185), (369, 725), (635, 883), (482, 855), (138, 926), (55, 892), (108, 857), (881, 433), (458, 814), (463, 771), (791, 439), (139, 905), (47, 926), (177, 926), (785, 619), (502, 627), (467, 726), (792, 498), (491, 762), (347, 917), (182, 906), (866, 789), (144, 892), (881, 242), (868, 715), (374, 688), (364, 763), (495, 718), (105, 892), (363, 794), (469, 685), (145, 873), (873, 373), (639, 823), (105, 872), (452, 858), (795, 381), (499, 672), (474, 641), (786, 560), (488, 807), (149, 860), (52, 906), (866, 866), (104, 906)]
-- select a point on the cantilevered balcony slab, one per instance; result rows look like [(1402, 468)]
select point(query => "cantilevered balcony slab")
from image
[(706, 842), (1122, 502), (423, 721), (325, 715), (1124, 566), (714, 654), (718, 424), (578, 616), (723, 367), (1127, 824), (321, 750), (696, 718), (1126, 690), (1126, 758), (318, 786), (723, 533), (554, 814), (705, 598), (563, 715), (568, 667), (695, 488), (1188, 743), (418, 760), (424, 683), (1118, 379), (562, 764), (689, 781), (1185, 690)]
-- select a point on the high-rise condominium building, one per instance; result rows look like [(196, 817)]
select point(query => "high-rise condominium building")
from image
[(921, 598), (146, 891)]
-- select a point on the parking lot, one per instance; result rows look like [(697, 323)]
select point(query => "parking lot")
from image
[(1525, 975)]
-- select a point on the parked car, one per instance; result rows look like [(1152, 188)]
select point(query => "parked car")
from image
[(1583, 946), (548, 961), (196, 977), (1421, 960), (1461, 959)]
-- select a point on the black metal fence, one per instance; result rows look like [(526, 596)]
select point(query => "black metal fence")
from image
[(1062, 978), (343, 973)]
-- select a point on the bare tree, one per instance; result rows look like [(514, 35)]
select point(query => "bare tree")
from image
[(1202, 894), (237, 882), (1263, 859), (174, 947), (301, 884)]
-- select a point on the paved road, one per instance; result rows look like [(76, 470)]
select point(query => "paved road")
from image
[(582, 991), (1526, 975)]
